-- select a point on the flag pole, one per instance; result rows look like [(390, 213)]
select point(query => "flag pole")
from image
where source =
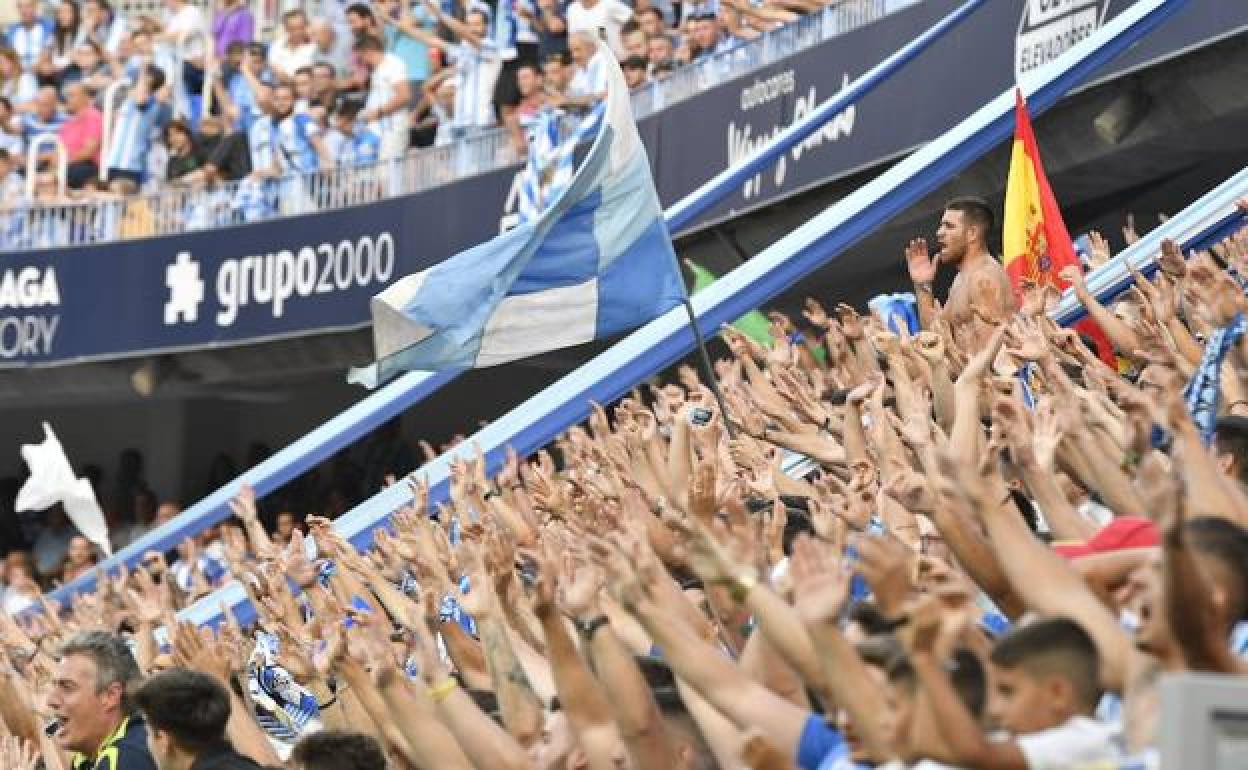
[(704, 359)]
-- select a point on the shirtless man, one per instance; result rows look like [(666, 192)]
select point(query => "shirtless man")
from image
[(981, 288)]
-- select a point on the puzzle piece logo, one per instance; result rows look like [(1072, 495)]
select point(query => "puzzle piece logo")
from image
[(186, 290)]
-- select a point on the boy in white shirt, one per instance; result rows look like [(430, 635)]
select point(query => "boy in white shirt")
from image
[(1046, 681)]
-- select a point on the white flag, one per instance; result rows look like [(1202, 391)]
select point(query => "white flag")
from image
[(52, 481)]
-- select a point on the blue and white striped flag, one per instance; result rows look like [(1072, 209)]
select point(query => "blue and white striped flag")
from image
[(596, 262)]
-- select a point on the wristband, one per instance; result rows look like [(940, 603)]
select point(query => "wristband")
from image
[(588, 628), (489, 493), (439, 692)]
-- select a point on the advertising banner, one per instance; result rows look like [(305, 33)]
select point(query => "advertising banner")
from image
[(316, 273)]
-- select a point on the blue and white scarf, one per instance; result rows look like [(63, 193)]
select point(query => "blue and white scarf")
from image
[(552, 159), (1204, 388)]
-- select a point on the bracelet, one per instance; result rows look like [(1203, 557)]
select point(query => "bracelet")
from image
[(514, 487), (439, 692), (588, 628), (741, 586), (328, 703), (923, 286), (489, 493), (1236, 403)]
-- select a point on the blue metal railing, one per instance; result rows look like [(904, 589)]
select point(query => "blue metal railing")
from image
[(412, 388), (669, 337), (1202, 224)]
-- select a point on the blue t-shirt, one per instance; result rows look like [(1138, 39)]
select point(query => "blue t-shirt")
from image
[(819, 741), (413, 53)]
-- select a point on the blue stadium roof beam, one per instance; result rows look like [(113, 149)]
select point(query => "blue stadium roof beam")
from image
[(666, 339)]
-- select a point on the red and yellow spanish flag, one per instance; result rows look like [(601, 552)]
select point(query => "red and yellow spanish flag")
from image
[(1036, 243)]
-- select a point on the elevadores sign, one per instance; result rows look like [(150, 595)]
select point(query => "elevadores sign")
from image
[(1049, 28)]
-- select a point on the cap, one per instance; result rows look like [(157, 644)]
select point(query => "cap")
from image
[(1123, 532)]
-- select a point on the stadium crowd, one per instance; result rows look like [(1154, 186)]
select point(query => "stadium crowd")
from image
[(359, 85), (1003, 545)]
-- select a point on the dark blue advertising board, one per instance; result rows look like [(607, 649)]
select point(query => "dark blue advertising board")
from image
[(316, 273)]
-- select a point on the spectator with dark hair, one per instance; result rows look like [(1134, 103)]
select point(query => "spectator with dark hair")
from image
[(89, 68), (126, 157), (45, 118), (30, 34), (79, 558), (184, 154), (386, 110), (556, 72), (245, 86), (103, 26), (477, 63), (349, 142), (294, 49), (633, 40), (91, 703), (66, 34), (10, 138), (16, 84), (11, 187), (188, 714), (635, 68), (338, 750), (302, 83), (324, 85), (406, 30), (1231, 444), (529, 83), (981, 284), (660, 53)]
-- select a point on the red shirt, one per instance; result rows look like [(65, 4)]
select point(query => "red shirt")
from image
[(80, 129)]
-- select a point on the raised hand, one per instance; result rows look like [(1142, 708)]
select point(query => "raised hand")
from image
[(813, 312), (919, 262), (17, 753), (1171, 259), (1100, 251), (243, 505), (820, 581)]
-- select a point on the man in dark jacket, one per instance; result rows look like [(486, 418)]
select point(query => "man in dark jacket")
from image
[(186, 713)]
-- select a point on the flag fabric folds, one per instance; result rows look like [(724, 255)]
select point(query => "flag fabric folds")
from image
[(1037, 245), (597, 261), (52, 481)]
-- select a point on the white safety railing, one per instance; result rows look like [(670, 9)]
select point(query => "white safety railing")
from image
[(177, 209), (32, 163)]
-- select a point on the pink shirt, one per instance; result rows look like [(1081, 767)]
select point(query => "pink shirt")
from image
[(80, 129)]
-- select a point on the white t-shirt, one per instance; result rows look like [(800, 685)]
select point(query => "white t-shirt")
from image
[(183, 20), (592, 80), (606, 14), (476, 72), (286, 58), (382, 84), (1081, 741)]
